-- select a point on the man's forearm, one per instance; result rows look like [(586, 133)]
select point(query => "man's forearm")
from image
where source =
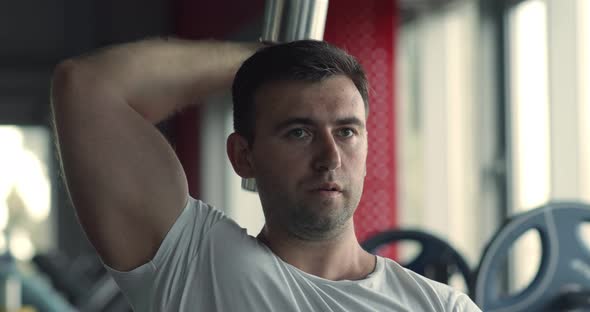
[(158, 77)]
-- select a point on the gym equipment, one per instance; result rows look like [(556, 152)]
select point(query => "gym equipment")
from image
[(289, 20), (83, 281), (437, 260), (286, 20), (563, 280), (20, 290)]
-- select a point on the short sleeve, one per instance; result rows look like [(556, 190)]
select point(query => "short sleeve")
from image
[(164, 272)]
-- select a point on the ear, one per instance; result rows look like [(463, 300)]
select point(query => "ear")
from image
[(238, 152)]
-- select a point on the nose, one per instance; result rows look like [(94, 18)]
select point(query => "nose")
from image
[(327, 153)]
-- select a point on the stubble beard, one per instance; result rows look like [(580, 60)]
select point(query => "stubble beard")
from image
[(315, 222), (308, 219)]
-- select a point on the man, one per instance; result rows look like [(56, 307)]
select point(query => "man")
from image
[(300, 118)]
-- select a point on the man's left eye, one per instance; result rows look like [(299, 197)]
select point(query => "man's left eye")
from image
[(346, 132)]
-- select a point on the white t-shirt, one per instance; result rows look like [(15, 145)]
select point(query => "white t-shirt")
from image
[(208, 263)]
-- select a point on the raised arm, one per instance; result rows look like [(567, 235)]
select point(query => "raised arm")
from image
[(124, 179)]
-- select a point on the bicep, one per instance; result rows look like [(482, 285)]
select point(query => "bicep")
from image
[(123, 177)]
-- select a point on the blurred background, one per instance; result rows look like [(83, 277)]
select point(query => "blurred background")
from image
[(480, 110)]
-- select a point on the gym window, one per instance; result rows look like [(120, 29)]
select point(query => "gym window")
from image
[(25, 191), (549, 112)]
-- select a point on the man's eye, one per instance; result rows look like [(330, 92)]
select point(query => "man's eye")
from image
[(346, 132), (298, 133)]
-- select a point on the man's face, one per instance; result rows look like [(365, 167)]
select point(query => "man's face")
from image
[(309, 155)]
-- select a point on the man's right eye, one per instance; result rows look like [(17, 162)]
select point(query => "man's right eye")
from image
[(298, 133)]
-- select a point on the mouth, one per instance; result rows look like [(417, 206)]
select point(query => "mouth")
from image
[(328, 188)]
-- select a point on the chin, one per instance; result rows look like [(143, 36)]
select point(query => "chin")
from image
[(320, 221)]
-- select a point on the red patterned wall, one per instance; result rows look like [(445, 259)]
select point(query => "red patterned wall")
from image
[(367, 30)]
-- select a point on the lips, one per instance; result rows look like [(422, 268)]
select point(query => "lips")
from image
[(328, 187)]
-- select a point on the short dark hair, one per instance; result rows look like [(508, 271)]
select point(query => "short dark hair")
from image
[(304, 60)]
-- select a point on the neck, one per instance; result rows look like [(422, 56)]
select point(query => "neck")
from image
[(337, 258)]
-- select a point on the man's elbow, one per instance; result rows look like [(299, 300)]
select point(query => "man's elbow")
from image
[(72, 79), (63, 81)]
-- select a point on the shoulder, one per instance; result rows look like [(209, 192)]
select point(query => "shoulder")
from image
[(426, 291)]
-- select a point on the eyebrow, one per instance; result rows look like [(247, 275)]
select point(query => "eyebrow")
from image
[(310, 122)]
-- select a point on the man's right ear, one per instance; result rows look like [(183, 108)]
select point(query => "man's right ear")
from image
[(238, 151)]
